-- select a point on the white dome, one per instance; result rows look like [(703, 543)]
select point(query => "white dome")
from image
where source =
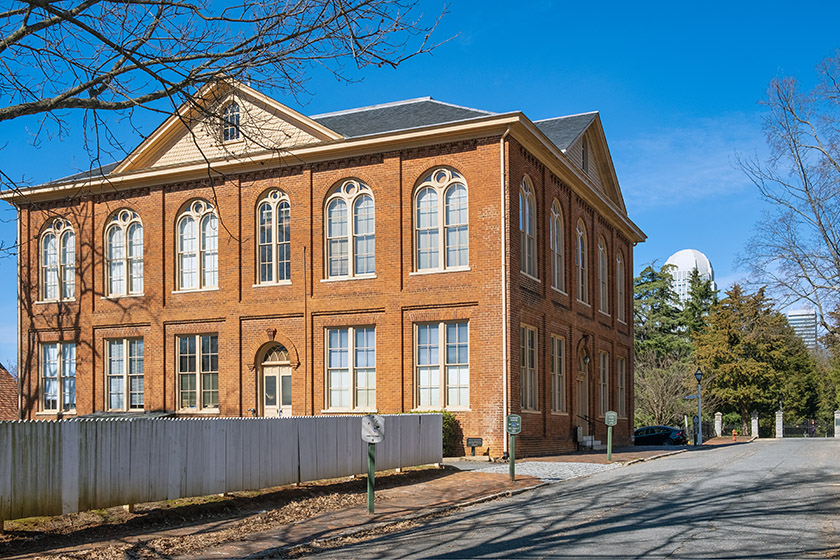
[(689, 259)]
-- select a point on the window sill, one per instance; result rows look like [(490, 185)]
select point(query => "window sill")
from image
[(604, 313), (349, 278), (216, 289), (586, 303), (530, 411), (622, 322), (273, 284), (534, 278), (440, 270), (56, 412), (559, 291), (197, 412), (428, 409), (48, 301), (125, 410), (124, 296), (349, 411), (558, 413)]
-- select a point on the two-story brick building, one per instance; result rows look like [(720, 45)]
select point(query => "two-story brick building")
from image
[(248, 260)]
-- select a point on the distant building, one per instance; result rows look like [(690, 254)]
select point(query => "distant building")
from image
[(686, 261), (804, 323), (8, 395)]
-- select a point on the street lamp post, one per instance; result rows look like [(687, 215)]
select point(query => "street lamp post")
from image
[(699, 375)]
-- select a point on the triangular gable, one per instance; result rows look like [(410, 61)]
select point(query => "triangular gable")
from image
[(193, 132), (600, 169)]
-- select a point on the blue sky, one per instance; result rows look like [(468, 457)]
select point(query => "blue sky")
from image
[(678, 87)]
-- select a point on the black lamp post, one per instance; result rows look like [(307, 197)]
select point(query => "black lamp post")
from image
[(699, 375)]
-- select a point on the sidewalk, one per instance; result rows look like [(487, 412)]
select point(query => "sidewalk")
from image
[(261, 535)]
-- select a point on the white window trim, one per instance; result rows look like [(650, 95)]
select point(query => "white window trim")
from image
[(274, 198), (227, 124), (126, 344), (557, 240), (443, 388), (528, 265), (197, 210), (603, 382), (529, 376), (61, 229), (581, 263), (621, 373), (348, 191), (621, 304), (558, 376), (603, 277), (59, 379), (351, 367), (123, 220), (440, 180), (198, 408)]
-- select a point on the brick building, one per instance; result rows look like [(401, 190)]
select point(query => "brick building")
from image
[(8, 395), (248, 260)]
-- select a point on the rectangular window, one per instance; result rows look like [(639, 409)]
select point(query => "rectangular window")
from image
[(528, 368), (58, 377), (603, 383), (621, 366), (451, 389), (124, 373), (351, 368), (198, 371), (558, 374)]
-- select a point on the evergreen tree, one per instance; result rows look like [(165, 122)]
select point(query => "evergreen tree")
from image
[(754, 358), (701, 298), (658, 322)]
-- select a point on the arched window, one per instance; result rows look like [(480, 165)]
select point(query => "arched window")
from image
[(198, 247), (442, 192), (350, 246), (527, 229), (581, 264), (620, 309), (603, 277), (230, 122), (58, 261), (124, 254), (558, 251), (274, 257)]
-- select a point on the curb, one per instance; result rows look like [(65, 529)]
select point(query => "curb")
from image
[(646, 459)]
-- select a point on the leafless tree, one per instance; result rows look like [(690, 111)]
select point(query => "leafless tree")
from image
[(796, 248), (106, 56)]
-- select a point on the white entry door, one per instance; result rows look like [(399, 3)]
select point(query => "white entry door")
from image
[(277, 391)]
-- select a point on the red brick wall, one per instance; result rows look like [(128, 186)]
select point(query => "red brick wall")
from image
[(8, 396), (248, 318)]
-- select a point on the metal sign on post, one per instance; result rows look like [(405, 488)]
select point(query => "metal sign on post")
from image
[(610, 419), (514, 426), (373, 432)]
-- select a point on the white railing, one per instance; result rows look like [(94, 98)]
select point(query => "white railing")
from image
[(55, 467)]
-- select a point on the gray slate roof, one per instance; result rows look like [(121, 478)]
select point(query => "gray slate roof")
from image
[(390, 117), (562, 131), (405, 115)]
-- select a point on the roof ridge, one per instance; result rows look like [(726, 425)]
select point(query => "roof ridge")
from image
[(370, 107), (567, 116)]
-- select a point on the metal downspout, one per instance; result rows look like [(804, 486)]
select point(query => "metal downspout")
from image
[(505, 365)]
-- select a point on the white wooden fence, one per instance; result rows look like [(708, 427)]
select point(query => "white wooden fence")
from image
[(55, 467)]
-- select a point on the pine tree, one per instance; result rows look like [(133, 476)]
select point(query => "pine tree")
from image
[(701, 298), (658, 322)]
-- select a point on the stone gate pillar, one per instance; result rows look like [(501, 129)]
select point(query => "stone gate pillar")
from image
[(718, 424), (780, 426), (837, 423), (754, 431)]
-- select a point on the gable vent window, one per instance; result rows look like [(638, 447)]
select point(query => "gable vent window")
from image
[(584, 157), (230, 123)]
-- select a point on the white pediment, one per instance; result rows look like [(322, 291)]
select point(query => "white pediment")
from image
[(195, 132)]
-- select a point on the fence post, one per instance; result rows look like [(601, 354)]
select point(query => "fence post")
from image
[(754, 431), (837, 423), (780, 425), (718, 424)]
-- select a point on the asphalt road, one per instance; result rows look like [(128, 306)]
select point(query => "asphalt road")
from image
[(766, 499)]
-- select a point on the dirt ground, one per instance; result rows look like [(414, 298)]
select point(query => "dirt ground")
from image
[(190, 524)]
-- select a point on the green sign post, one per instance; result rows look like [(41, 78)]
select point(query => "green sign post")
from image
[(610, 419), (373, 432), (514, 426)]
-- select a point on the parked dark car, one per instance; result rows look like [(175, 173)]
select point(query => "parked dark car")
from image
[(660, 435)]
